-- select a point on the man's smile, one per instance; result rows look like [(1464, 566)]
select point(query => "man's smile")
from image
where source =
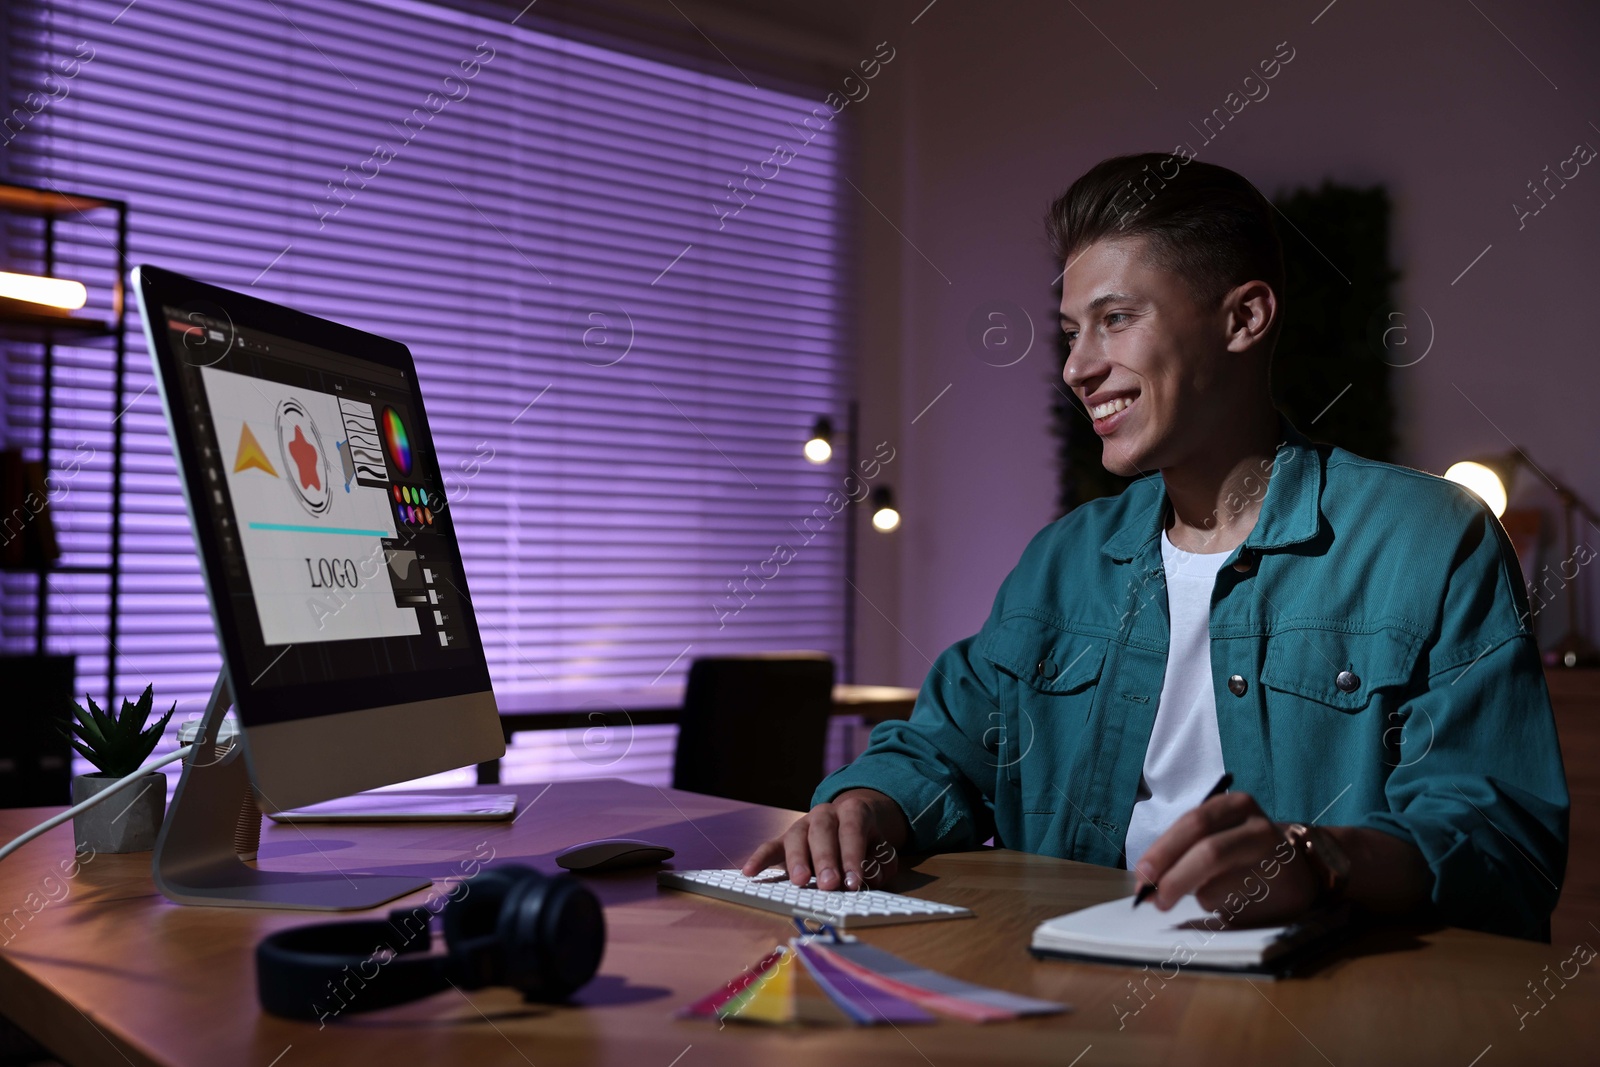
[(1107, 412)]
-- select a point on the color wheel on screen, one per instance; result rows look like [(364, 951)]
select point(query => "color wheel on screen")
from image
[(396, 441)]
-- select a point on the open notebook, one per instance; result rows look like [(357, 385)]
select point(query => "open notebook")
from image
[(1187, 936)]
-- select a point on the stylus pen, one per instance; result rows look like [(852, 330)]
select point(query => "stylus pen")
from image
[(1221, 787)]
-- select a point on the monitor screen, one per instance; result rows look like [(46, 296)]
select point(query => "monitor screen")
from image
[(317, 498)]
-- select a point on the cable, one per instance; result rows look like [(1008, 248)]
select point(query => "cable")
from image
[(56, 820)]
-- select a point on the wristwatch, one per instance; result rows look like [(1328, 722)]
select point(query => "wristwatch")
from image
[(1330, 867)]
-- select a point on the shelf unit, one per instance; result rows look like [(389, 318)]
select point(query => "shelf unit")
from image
[(23, 325)]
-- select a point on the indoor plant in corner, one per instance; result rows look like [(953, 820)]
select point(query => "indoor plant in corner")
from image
[(118, 745)]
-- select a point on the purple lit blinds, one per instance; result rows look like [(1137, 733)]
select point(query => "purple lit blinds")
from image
[(619, 371)]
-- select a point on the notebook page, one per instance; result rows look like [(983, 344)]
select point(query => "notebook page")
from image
[(1116, 928)]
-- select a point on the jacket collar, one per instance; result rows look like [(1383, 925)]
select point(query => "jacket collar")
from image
[(1290, 512)]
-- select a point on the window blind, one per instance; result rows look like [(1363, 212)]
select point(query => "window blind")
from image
[(619, 370)]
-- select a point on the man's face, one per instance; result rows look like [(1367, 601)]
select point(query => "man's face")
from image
[(1148, 359)]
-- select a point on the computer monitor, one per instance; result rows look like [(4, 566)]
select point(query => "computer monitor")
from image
[(348, 638)]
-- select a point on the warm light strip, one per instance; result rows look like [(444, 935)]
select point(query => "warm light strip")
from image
[(54, 292)]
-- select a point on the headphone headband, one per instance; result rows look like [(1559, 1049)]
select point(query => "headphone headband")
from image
[(509, 925), (321, 971)]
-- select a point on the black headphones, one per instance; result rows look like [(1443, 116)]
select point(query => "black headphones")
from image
[(509, 925)]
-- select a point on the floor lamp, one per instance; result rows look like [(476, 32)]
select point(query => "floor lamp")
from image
[(1490, 477)]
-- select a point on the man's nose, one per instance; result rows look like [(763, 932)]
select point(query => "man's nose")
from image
[(1083, 368)]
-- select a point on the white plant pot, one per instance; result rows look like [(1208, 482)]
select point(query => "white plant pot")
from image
[(126, 822)]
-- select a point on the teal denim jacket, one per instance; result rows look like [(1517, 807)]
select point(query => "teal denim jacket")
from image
[(1441, 733)]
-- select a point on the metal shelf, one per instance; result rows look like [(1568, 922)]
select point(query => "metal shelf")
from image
[(52, 568), (42, 327), (20, 324), (48, 203)]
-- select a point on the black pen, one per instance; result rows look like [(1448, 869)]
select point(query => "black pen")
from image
[(1221, 787)]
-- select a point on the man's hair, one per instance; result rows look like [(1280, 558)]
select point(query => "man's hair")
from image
[(1199, 220)]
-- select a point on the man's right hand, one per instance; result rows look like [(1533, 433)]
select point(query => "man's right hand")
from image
[(852, 842)]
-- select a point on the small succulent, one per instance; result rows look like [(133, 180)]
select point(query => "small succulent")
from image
[(118, 744)]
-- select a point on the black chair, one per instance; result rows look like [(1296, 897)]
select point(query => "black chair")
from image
[(35, 759), (754, 727)]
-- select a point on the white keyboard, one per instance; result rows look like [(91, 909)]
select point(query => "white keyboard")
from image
[(772, 891)]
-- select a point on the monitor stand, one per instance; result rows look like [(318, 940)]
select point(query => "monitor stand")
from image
[(195, 861)]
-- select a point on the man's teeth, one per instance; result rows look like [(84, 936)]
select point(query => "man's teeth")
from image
[(1110, 407)]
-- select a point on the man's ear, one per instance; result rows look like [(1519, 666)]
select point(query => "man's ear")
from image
[(1250, 312)]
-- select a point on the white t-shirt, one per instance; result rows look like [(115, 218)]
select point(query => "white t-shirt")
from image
[(1184, 759)]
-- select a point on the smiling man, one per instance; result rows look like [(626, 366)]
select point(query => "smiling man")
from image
[(1345, 638)]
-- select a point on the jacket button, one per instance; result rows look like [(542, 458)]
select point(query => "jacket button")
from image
[(1246, 560), (1046, 668), (1237, 685), (1347, 682)]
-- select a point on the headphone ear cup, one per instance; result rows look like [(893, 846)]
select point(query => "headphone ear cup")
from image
[(552, 935), (471, 921)]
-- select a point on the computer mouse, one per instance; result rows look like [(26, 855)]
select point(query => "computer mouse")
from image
[(613, 854)]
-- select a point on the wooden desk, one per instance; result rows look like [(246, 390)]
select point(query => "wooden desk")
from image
[(114, 975)]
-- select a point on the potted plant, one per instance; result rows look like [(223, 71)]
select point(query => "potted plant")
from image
[(118, 745)]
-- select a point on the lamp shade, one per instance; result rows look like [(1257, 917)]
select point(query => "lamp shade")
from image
[(819, 447), (884, 516)]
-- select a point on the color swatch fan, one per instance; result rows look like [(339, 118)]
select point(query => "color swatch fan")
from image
[(831, 978)]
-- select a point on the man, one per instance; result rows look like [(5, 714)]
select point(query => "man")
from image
[(1345, 638)]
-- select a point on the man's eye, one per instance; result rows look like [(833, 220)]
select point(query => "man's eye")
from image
[(1116, 318), (1071, 336)]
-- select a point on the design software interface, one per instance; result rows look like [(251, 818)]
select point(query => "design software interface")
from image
[(330, 518)]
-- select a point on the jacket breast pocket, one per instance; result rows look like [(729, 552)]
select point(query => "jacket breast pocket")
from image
[(1336, 710), (1339, 669), (1048, 678)]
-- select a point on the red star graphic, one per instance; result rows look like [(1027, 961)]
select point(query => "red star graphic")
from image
[(304, 454)]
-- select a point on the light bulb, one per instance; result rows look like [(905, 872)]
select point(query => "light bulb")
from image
[(818, 450), (885, 519), (52, 292), (1482, 481)]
